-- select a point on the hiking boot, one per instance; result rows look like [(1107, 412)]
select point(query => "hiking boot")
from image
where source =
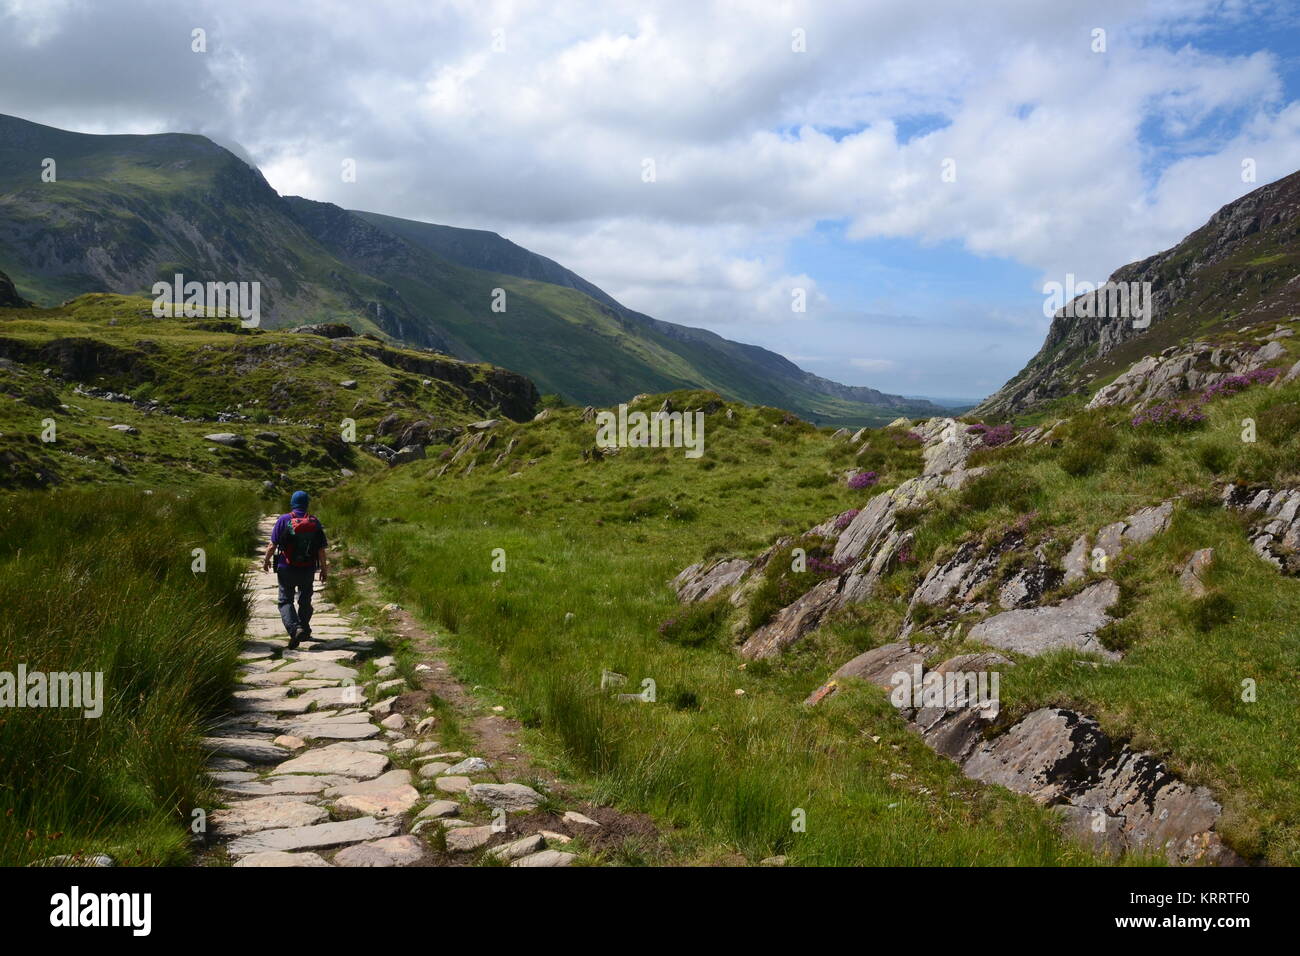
[(296, 637)]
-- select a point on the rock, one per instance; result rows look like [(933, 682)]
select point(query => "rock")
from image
[(512, 797), (1058, 757), (283, 786), (426, 725), (876, 666), (265, 813), (330, 330), (1073, 623), (434, 769), (407, 453), (329, 760), (702, 581), (280, 858), (582, 820), (1192, 576), (231, 776), (792, 622), (465, 839), (772, 861), (125, 429), (338, 728), (452, 784), (1028, 585), (381, 803), (439, 809), (348, 383), (252, 749), (551, 837), (468, 766), (532, 843), (229, 439), (74, 859), (393, 722), (390, 851), (484, 425), (385, 781), (1076, 561), (546, 858), (320, 836)]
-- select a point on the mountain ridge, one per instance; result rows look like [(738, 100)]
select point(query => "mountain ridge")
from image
[(1247, 255), (125, 211)]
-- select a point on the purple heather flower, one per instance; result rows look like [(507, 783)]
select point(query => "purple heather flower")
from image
[(846, 519), (863, 479)]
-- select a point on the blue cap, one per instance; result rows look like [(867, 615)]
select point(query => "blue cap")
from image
[(299, 500)]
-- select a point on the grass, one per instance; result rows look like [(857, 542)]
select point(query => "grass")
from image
[(730, 769), (176, 381), (102, 580), (586, 591)]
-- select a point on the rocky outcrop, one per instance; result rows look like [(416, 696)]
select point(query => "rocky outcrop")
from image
[(1176, 371), (1072, 624), (1275, 534), (1110, 797), (1250, 234), (1113, 797), (706, 580), (9, 297), (1193, 573)]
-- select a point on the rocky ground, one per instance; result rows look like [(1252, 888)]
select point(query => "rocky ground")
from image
[(319, 768)]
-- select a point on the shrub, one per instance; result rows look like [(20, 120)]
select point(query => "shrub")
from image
[(863, 479), (1211, 611), (1170, 415), (1144, 451), (1216, 458), (1002, 486)]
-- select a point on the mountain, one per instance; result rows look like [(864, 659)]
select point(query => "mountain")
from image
[(9, 297), (123, 212), (1237, 270)]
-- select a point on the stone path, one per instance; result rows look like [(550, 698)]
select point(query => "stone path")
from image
[(307, 760)]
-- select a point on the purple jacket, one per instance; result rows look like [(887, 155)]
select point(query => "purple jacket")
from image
[(281, 528)]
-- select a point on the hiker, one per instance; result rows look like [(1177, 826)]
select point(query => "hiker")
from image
[(300, 540)]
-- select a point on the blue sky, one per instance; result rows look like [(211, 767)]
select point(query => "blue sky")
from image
[(797, 145)]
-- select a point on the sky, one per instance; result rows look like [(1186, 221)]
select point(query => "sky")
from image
[(912, 172)]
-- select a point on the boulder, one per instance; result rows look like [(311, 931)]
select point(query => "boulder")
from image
[(407, 453), (1073, 623), (512, 797), (1192, 575), (228, 439), (702, 581)]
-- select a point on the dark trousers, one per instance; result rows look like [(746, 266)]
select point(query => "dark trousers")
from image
[(295, 580)]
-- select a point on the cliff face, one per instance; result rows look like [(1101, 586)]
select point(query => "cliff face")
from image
[(1239, 269), (9, 297)]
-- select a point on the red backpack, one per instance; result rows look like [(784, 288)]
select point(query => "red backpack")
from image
[(299, 541)]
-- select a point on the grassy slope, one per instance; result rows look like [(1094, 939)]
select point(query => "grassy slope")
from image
[(103, 581), (732, 768), (600, 541), (285, 383)]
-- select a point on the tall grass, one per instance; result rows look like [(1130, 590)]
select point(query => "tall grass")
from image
[(101, 580), (739, 775)]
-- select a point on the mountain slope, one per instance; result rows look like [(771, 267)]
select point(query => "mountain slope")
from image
[(1239, 269), (123, 212), (752, 366)]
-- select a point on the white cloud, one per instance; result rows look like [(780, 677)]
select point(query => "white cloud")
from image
[(753, 142)]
